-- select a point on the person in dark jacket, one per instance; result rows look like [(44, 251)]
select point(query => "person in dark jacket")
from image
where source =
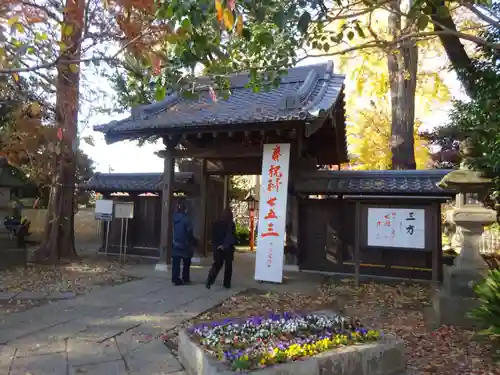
[(183, 246), (223, 242)]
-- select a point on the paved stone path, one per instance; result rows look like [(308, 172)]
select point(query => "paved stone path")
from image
[(35, 296), (109, 331)]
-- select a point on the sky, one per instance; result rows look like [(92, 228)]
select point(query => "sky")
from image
[(127, 157)]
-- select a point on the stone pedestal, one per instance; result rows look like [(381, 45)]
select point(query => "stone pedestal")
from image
[(453, 302)]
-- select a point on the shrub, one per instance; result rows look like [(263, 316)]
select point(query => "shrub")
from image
[(488, 314), (242, 234)]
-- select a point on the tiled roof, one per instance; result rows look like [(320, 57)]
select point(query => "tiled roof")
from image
[(134, 182), (415, 182), (10, 176), (305, 93)]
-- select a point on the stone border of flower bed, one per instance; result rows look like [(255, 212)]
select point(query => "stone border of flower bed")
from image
[(384, 357)]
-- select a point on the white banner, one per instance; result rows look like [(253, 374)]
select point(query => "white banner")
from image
[(272, 212), (396, 227)]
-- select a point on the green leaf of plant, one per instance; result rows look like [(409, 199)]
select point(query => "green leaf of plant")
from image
[(67, 29), (260, 14), (350, 35), (422, 22), (160, 93), (170, 10), (360, 31), (20, 28), (89, 140), (13, 20), (443, 11), (186, 24), (265, 38), (246, 33), (279, 19), (190, 95), (304, 21)]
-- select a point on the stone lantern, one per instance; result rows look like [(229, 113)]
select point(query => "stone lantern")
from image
[(456, 297)]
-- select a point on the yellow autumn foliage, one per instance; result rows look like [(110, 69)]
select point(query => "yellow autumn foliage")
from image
[(368, 96), (369, 140)]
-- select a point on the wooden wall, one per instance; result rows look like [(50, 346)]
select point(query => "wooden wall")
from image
[(328, 229), (144, 229)]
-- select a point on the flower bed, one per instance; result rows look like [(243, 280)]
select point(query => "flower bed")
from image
[(247, 344)]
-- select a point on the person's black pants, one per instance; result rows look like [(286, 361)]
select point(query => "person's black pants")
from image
[(176, 269), (222, 258)]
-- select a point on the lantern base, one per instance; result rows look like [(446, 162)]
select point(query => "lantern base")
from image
[(452, 304)]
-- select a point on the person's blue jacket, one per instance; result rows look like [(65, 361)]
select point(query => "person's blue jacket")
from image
[(183, 239)]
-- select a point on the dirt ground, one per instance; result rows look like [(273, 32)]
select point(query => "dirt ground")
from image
[(79, 277), (394, 309)]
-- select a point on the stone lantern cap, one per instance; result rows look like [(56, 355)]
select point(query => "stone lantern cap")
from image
[(465, 180)]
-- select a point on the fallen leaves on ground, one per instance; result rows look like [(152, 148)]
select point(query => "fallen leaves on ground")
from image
[(80, 276), (394, 309)]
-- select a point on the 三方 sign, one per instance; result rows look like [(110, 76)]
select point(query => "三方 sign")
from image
[(272, 212), (396, 227)]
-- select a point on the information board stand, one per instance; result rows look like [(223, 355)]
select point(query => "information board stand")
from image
[(104, 213), (124, 211)]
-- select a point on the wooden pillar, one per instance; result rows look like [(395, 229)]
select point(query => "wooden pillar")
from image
[(203, 209), (357, 250), (226, 191), (166, 230), (437, 253)]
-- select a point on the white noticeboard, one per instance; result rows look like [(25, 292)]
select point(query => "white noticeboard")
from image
[(104, 209), (272, 212), (124, 210), (396, 227)]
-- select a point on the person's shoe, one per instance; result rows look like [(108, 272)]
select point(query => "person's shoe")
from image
[(177, 283), (227, 286), (207, 285), (186, 281)]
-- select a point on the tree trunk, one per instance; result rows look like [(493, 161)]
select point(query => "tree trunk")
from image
[(454, 48), (58, 239), (402, 63)]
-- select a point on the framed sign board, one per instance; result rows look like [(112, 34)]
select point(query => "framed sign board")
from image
[(124, 210), (396, 227), (104, 209)]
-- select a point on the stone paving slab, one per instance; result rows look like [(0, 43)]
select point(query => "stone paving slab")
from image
[(81, 352), (36, 296), (53, 364), (134, 314), (32, 347), (107, 368), (135, 338), (7, 296), (30, 296), (152, 358), (55, 296), (6, 358), (102, 332)]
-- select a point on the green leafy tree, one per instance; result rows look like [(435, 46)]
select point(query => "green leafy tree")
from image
[(478, 118)]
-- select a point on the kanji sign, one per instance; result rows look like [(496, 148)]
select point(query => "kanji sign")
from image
[(396, 227), (272, 213)]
